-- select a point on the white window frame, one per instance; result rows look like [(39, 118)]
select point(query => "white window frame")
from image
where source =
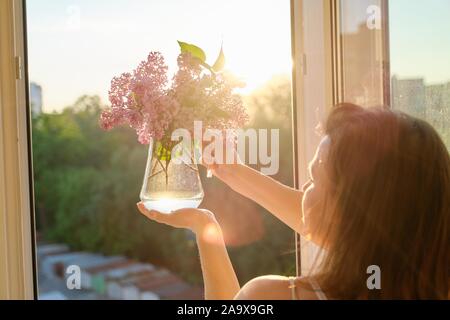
[(312, 91), (17, 267), (317, 78)]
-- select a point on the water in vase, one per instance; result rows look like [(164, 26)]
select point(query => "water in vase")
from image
[(167, 205)]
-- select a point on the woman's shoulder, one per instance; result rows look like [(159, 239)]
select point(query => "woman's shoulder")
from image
[(273, 287)]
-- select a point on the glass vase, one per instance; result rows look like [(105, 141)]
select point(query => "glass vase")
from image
[(170, 183)]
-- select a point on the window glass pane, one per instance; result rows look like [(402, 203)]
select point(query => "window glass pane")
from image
[(87, 181), (361, 52), (420, 68)]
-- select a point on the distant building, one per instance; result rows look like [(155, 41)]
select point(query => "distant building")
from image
[(428, 102), (438, 105), (435, 97), (409, 95), (446, 96), (35, 99)]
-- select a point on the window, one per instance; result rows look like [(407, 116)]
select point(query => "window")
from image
[(340, 55), (343, 50), (87, 182), (311, 32)]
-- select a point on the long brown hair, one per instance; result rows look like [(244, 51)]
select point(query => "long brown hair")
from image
[(390, 178)]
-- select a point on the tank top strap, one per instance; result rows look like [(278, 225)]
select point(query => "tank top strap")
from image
[(293, 286)]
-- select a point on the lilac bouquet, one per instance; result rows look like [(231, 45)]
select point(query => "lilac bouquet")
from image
[(153, 106)]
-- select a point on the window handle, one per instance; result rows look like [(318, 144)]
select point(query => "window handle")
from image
[(19, 68)]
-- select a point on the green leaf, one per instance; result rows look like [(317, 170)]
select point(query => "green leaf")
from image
[(193, 50), (162, 152), (220, 62)]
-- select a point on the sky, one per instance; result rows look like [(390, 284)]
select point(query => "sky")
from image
[(420, 39), (419, 32), (77, 46)]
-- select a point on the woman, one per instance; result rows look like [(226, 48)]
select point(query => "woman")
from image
[(378, 194)]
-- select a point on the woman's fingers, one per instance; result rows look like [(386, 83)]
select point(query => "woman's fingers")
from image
[(188, 218), (175, 219), (226, 154), (210, 165), (151, 214), (142, 209)]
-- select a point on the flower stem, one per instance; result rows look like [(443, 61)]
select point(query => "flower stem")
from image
[(167, 173), (165, 169)]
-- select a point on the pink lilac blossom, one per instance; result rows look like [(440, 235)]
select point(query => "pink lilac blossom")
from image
[(145, 100)]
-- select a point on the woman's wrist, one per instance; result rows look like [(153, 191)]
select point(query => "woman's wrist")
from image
[(209, 232), (206, 221)]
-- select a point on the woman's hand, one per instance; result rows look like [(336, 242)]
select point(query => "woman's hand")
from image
[(196, 220), (220, 165)]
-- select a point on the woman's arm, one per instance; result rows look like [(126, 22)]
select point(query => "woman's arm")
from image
[(282, 201), (219, 278)]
